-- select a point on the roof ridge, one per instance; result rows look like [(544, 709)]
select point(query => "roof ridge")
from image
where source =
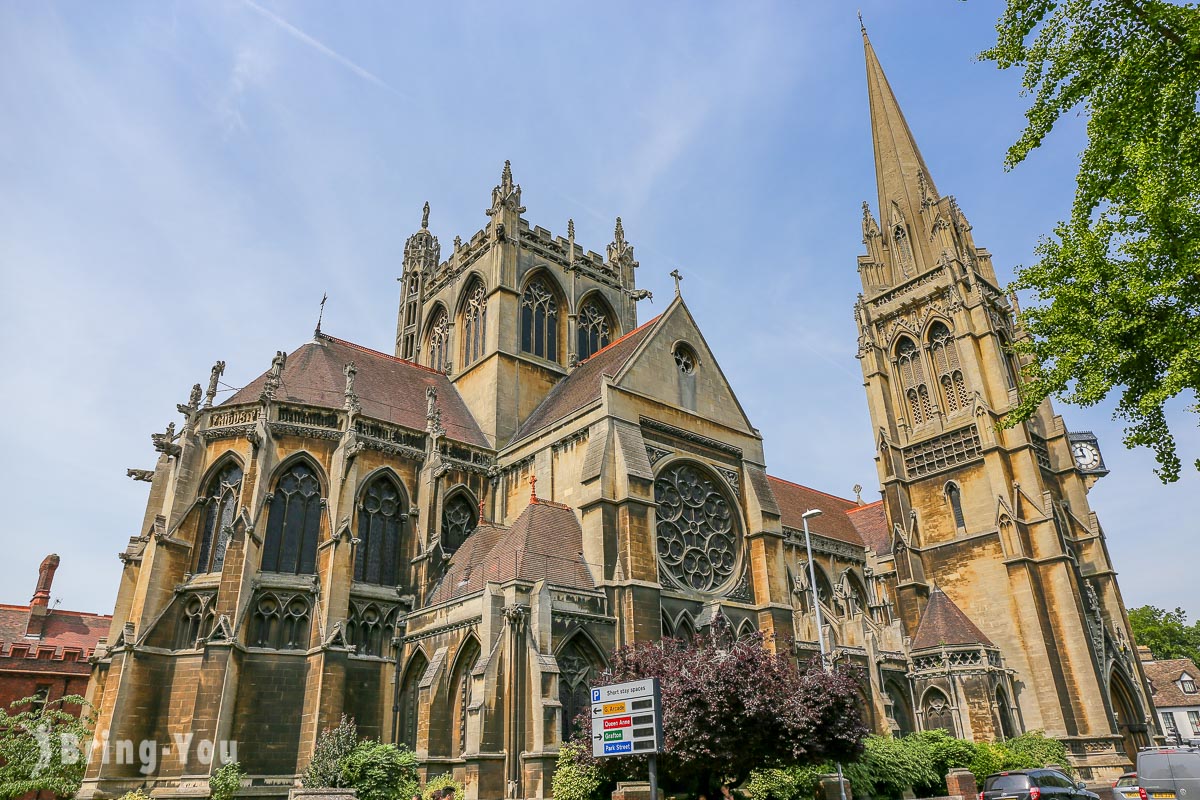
[(811, 489), (369, 351), (616, 342), (864, 505)]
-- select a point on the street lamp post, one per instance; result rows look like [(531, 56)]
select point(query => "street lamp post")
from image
[(816, 600)]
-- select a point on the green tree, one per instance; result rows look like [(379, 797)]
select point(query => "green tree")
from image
[(226, 781), (1118, 282), (42, 746), (333, 745), (1166, 633)]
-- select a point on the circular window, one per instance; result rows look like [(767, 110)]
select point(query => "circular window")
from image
[(685, 358), (697, 537)]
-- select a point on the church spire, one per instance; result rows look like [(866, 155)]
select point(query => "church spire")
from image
[(900, 171)]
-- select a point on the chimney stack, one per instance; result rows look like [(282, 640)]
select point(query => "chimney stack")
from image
[(39, 606)]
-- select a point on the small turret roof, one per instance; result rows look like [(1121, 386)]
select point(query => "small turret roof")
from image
[(944, 623)]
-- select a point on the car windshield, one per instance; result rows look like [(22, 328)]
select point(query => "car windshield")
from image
[(1127, 780), (1007, 783)]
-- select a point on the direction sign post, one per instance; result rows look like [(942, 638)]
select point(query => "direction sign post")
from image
[(627, 720)]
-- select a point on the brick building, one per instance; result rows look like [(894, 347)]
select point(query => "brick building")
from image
[(447, 543), (44, 651)]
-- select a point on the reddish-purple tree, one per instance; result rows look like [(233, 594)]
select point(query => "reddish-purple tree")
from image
[(733, 706)]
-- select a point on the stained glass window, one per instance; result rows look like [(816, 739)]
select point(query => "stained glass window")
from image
[(594, 329), (380, 526), (912, 381), (697, 534), (474, 324), (220, 500), (944, 352), (294, 522), (439, 340), (459, 518)]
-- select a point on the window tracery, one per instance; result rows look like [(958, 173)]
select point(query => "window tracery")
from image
[(904, 253), (474, 325), (195, 621), (685, 358), (954, 495), (380, 526), (539, 320), (369, 627), (696, 531), (221, 501), (912, 381), (944, 352), (281, 622), (938, 713), (459, 520), (439, 340), (593, 328), (578, 664), (294, 522)]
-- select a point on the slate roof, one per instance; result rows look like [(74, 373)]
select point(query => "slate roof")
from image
[(794, 500), (1164, 679), (389, 388), (545, 542), (944, 623), (871, 523), (584, 384), (61, 631)]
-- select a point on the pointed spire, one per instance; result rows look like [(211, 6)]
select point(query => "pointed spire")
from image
[(900, 171), (506, 194), (506, 180)]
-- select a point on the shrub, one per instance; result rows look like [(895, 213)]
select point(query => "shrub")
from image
[(576, 779), (334, 744), (788, 783), (25, 728), (136, 794), (1034, 749), (226, 781), (443, 782), (380, 771), (989, 759)]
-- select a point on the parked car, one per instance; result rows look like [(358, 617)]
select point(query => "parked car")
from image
[(1169, 773), (1036, 784), (1126, 787)]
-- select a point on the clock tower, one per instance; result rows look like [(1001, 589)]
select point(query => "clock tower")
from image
[(995, 519)]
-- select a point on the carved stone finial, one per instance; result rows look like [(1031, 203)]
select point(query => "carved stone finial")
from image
[(425, 217), (678, 276), (481, 508), (570, 244), (214, 377), (506, 179), (275, 376), (351, 404), (430, 401), (861, 26), (321, 313), (620, 252), (457, 243), (869, 225), (533, 498), (858, 493), (507, 195)]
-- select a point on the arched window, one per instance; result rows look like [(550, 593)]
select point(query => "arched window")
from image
[(824, 588), (594, 328), (912, 381), (380, 525), (294, 522), (898, 701), (954, 495), (438, 342), (459, 519), (1011, 368), (460, 685), (1005, 712), (220, 498), (281, 622), (370, 627), (938, 713), (474, 324), (410, 701), (944, 352), (578, 665), (539, 320)]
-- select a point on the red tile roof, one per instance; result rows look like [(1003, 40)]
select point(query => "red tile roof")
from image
[(795, 499), (389, 388), (1164, 680), (944, 623), (61, 631), (871, 523), (584, 384), (545, 542)]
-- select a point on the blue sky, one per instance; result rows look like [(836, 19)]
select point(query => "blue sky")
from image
[(180, 183)]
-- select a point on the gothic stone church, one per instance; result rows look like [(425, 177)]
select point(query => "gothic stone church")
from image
[(446, 543)]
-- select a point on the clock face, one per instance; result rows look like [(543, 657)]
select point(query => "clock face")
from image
[(1086, 455)]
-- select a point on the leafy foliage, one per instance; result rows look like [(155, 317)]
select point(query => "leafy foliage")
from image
[(334, 744), (918, 762), (1166, 633), (1119, 281), (733, 706), (40, 746), (136, 794), (575, 778), (226, 781), (441, 783), (380, 771)]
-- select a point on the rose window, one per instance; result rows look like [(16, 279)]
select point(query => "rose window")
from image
[(697, 538)]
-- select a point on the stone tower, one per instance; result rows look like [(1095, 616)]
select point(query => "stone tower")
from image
[(467, 316), (991, 523)]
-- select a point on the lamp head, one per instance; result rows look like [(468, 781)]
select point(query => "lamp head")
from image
[(812, 512)]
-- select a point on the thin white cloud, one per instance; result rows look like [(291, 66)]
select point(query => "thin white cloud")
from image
[(322, 48)]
